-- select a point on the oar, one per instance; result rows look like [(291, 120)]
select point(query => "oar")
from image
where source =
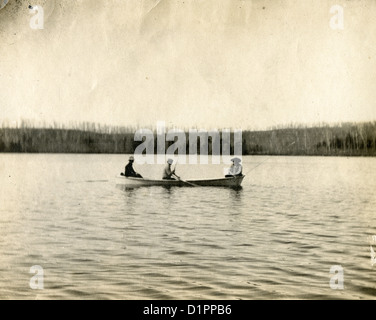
[(185, 181)]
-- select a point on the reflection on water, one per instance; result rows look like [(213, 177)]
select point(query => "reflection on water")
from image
[(276, 237), (236, 194)]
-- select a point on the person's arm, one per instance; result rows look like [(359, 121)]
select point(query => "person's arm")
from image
[(169, 172), (238, 170)]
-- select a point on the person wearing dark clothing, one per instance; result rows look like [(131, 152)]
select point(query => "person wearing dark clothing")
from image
[(129, 171)]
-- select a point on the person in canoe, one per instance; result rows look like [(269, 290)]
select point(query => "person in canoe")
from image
[(129, 171), (236, 168), (168, 173)]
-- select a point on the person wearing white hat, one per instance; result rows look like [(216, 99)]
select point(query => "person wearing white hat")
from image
[(168, 172), (236, 168), (129, 171)]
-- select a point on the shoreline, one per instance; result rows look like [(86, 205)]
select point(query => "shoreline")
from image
[(345, 140), (243, 155)]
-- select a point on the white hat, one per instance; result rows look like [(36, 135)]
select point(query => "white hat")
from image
[(170, 161), (131, 158), (237, 160)]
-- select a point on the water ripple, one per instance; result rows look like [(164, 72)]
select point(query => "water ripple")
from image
[(276, 238)]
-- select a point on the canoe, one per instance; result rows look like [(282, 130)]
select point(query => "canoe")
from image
[(140, 182)]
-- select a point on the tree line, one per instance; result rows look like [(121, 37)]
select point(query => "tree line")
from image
[(346, 139)]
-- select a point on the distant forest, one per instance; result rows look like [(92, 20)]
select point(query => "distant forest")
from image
[(346, 139)]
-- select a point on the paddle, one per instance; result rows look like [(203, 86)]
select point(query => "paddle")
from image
[(190, 183), (187, 182)]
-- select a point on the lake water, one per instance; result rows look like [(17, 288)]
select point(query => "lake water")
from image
[(275, 238)]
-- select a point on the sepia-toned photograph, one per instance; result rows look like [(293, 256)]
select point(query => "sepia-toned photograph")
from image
[(187, 150)]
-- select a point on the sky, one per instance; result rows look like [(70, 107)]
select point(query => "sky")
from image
[(245, 64)]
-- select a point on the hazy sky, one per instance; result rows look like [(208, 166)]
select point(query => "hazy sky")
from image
[(207, 63)]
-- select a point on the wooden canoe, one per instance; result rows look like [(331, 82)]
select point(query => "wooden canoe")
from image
[(140, 182)]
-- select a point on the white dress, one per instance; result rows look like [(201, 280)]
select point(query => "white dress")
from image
[(235, 169)]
